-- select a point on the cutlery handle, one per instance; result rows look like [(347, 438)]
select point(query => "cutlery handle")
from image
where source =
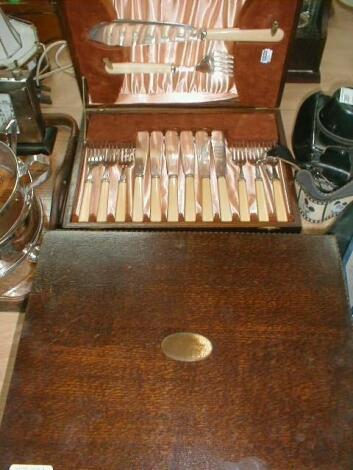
[(173, 211), (207, 211), (245, 35), (137, 212), (122, 68), (103, 202), (156, 211), (244, 212), (86, 202), (226, 214), (262, 211), (280, 206), (120, 213), (190, 204)]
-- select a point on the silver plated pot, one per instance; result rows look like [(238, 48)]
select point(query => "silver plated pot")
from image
[(21, 213)]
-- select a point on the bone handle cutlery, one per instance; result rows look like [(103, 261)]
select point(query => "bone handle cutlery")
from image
[(188, 161), (239, 158), (203, 153), (142, 151), (156, 152), (126, 159), (172, 151), (107, 160), (183, 176), (220, 157), (93, 159), (278, 194), (261, 201)]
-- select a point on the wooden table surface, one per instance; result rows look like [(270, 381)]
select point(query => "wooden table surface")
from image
[(93, 390), (337, 70)]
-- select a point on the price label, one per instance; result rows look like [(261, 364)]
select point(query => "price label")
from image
[(346, 96)]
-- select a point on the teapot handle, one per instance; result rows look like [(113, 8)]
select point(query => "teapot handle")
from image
[(43, 160)]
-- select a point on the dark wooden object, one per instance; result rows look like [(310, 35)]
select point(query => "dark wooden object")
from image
[(309, 44), (92, 390)]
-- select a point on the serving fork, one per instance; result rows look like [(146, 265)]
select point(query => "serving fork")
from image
[(216, 62), (94, 156), (126, 157)]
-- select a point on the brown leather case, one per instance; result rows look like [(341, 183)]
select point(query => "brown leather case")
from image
[(251, 116), (92, 389)]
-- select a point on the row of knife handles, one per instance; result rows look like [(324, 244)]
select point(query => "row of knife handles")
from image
[(189, 214)]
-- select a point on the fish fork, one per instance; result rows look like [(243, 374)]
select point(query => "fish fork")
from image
[(108, 159), (255, 155), (239, 158), (125, 160), (217, 62), (278, 194), (94, 158)]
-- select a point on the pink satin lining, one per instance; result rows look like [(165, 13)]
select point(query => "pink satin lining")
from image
[(182, 87)]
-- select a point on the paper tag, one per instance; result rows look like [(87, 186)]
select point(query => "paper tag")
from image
[(30, 467), (266, 56), (6, 110), (346, 96)]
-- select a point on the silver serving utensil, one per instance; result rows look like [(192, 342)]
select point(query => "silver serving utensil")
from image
[(127, 33), (188, 160), (217, 62), (172, 151), (220, 157), (156, 152), (202, 143), (141, 155)]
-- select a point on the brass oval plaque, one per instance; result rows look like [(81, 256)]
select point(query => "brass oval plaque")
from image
[(186, 347)]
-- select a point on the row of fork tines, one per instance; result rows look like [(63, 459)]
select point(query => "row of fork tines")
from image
[(105, 154), (256, 154)]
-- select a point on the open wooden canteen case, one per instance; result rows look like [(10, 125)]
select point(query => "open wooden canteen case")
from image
[(184, 115), (182, 349)]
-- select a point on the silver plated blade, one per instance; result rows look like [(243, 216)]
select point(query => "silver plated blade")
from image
[(156, 152), (172, 151), (126, 33), (219, 152), (202, 142), (141, 154), (187, 152)]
